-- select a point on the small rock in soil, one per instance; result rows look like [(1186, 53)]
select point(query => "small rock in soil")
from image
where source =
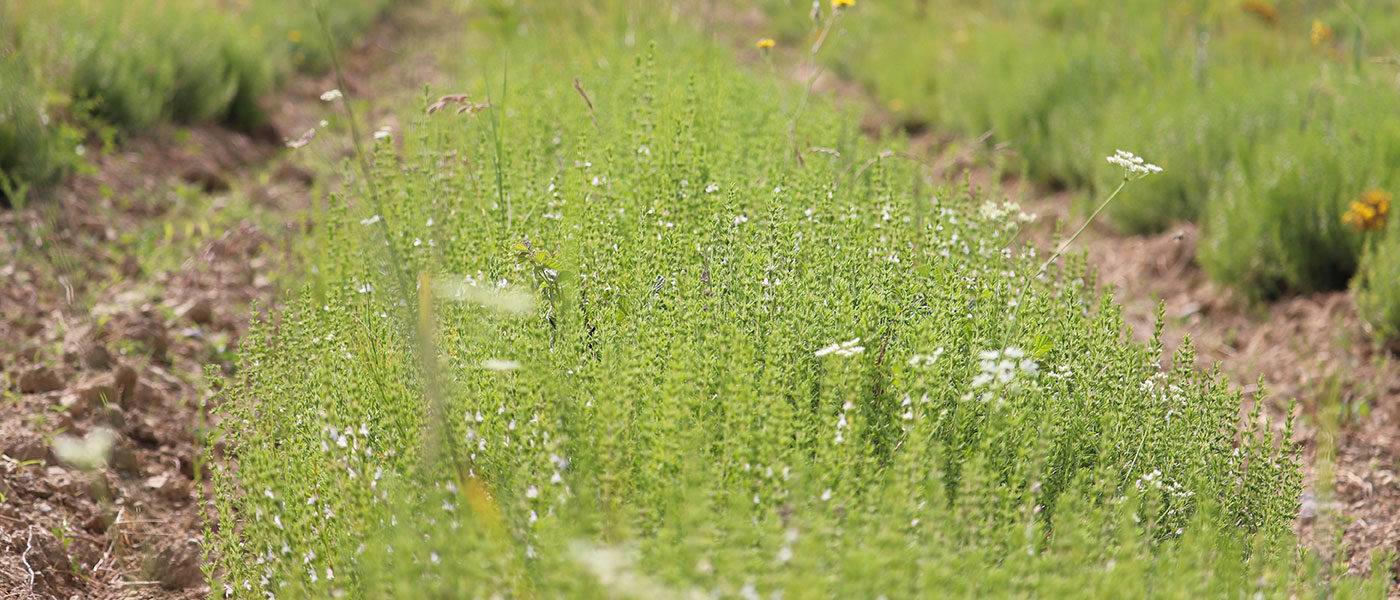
[(98, 391), (208, 180), (142, 398), (290, 173), (98, 523), (144, 432), (40, 379), (96, 357), (171, 488), (111, 416), (29, 448), (125, 380), (149, 334), (126, 458), (29, 354), (199, 311), (60, 480), (157, 482), (176, 565), (130, 267)]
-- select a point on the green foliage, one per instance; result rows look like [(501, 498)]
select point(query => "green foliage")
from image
[(140, 63), (1263, 130), (26, 152), (1377, 286), (656, 357)]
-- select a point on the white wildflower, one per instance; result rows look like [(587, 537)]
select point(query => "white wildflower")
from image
[(331, 95), (503, 299), (1134, 167), (1003, 365), (499, 365), (925, 360), (847, 348)]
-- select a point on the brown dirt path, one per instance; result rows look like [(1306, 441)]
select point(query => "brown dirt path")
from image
[(1313, 347), (121, 288)]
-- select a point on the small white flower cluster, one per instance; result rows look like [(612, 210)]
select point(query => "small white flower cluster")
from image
[(847, 348), (1000, 366), (1149, 480), (785, 553), (842, 423), (331, 95), (1133, 165), (925, 360), (1008, 212)]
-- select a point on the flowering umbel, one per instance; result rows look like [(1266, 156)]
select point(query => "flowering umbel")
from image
[(1134, 167), (1370, 212), (766, 44)]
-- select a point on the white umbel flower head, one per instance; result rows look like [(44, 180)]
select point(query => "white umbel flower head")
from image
[(331, 95), (1134, 167)]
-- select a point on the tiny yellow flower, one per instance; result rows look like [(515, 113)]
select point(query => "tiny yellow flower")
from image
[(1370, 212), (294, 36), (842, 3), (1321, 33), (766, 44)]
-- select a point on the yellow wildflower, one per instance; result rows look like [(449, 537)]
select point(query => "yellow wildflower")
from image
[(1321, 33), (1370, 212), (842, 3), (766, 44), (294, 36)]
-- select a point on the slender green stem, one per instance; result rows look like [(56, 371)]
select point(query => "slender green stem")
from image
[(811, 82), (1016, 310)]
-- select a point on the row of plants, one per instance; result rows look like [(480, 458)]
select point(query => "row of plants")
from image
[(75, 71), (1271, 116), (588, 327)]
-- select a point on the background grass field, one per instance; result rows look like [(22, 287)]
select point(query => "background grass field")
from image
[(1266, 114), (81, 71)]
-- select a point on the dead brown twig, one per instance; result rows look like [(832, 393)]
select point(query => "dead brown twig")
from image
[(578, 85)]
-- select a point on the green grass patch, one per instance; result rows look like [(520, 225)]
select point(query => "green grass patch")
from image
[(652, 356), (1269, 116), (71, 68)]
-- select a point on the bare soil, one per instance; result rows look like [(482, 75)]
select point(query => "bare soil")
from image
[(91, 339)]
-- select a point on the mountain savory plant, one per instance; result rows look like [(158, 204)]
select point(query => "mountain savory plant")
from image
[(602, 335)]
